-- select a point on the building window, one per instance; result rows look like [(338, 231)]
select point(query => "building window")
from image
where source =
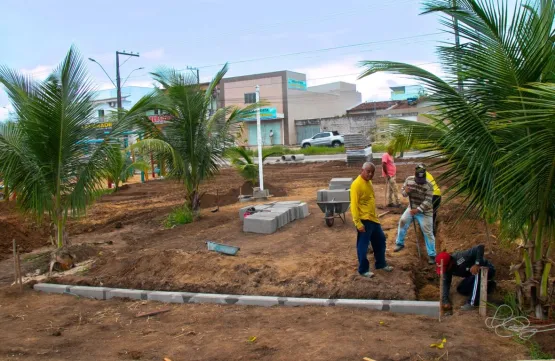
[(101, 114), (156, 112), (250, 98)]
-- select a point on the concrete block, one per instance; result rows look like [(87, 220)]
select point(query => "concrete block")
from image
[(260, 224), (290, 214), (168, 297), (98, 293), (339, 195), (266, 301), (297, 302), (370, 304), (123, 293), (257, 194), (210, 298), (288, 203), (303, 211), (427, 308), (51, 288), (242, 212), (340, 183)]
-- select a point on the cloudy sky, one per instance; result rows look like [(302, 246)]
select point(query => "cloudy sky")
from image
[(324, 39)]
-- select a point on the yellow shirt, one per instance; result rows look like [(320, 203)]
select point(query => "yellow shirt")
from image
[(429, 178), (363, 202)]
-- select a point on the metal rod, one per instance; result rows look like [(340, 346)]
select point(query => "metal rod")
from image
[(259, 140)]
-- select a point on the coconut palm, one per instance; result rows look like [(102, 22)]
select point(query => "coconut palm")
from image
[(497, 137), (118, 170), (43, 154), (245, 165), (194, 142)]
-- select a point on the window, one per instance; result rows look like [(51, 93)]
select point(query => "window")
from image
[(156, 112), (250, 98), (321, 135), (100, 113)]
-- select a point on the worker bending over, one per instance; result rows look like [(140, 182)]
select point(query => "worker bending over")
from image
[(420, 192), (465, 264)]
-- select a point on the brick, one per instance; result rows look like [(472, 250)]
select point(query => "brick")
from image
[(123, 293), (98, 293), (167, 297), (51, 288), (259, 224)]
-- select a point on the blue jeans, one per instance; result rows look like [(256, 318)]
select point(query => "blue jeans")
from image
[(373, 233), (426, 225)]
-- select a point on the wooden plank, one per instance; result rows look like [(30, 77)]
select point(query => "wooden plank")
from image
[(483, 291)]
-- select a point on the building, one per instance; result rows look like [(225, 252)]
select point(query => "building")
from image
[(288, 98), (406, 92)]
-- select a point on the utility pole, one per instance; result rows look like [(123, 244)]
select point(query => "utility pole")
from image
[(457, 47), (195, 73), (259, 140), (118, 78)]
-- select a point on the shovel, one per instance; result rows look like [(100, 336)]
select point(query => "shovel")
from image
[(217, 202)]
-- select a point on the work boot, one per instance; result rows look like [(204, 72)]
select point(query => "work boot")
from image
[(431, 260), (467, 307), (367, 274), (387, 268), (398, 247)]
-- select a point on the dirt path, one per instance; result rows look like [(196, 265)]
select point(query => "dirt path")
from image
[(51, 327)]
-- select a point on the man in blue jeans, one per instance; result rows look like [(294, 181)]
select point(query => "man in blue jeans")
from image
[(363, 210), (420, 192)]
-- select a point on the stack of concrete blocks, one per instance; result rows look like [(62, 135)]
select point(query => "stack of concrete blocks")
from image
[(340, 183), (333, 195), (358, 149), (270, 217)]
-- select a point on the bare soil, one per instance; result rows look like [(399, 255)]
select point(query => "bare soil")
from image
[(123, 234), (53, 327)]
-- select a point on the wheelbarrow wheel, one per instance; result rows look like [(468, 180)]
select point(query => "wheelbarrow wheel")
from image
[(329, 218)]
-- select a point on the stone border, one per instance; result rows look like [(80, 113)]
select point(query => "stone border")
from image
[(426, 308)]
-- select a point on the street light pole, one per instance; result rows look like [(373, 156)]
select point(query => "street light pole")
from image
[(118, 79), (259, 140)]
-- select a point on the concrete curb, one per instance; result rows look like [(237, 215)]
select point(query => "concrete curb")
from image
[(426, 308)]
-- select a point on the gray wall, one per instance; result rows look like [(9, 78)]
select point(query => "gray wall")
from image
[(347, 124)]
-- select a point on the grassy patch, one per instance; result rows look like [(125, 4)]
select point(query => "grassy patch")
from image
[(180, 215)]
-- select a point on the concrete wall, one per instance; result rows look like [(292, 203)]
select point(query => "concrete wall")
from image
[(347, 124)]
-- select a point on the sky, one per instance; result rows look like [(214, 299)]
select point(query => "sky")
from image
[(324, 39)]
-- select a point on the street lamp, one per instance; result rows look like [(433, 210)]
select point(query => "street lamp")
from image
[(100, 65), (141, 68)]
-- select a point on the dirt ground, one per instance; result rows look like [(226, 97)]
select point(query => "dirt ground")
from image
[(53, 327), (124, 236)]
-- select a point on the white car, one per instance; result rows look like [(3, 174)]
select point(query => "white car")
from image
[(330, 139)]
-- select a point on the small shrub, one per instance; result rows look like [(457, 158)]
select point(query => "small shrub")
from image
[(180, 215)]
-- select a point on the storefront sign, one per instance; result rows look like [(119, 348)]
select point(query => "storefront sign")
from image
[(103, 125), (296, 84), (265, 114), (159, 119)]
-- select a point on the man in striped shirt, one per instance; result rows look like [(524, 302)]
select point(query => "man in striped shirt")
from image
[(420, 192)]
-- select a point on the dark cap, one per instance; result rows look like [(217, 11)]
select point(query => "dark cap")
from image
[(420, 174)]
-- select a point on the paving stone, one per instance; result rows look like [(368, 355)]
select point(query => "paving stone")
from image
[(371, 304), (123, 293), (296, 302), (260, 224), (98, 293), (210, 298), (51, 288)]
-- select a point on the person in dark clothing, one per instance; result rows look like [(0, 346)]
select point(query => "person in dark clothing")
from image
[(465, 264)]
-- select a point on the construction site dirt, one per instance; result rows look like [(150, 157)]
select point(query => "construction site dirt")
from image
[(123, 235)]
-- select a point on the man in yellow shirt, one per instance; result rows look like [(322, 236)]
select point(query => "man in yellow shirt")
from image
[(369, 230), (436, 198)]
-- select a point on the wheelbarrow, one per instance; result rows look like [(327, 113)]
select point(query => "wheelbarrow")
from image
[(334, 209)]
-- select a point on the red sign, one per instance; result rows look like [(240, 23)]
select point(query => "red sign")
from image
[(159, 119)]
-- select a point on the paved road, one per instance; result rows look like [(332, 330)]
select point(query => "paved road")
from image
[(332, 157)]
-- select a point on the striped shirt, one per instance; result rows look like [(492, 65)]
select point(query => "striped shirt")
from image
[(420, 195)]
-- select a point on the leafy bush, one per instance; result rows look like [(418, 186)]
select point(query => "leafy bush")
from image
[(180, 215)]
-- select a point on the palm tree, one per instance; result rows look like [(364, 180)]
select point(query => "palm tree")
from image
[(194, 142), (496, 137), (118, 171), (245, 165), (43, 155)]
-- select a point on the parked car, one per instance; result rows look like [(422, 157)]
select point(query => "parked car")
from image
[(330, 139)]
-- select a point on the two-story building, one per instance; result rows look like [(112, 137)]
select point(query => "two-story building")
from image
[(288, 98)]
